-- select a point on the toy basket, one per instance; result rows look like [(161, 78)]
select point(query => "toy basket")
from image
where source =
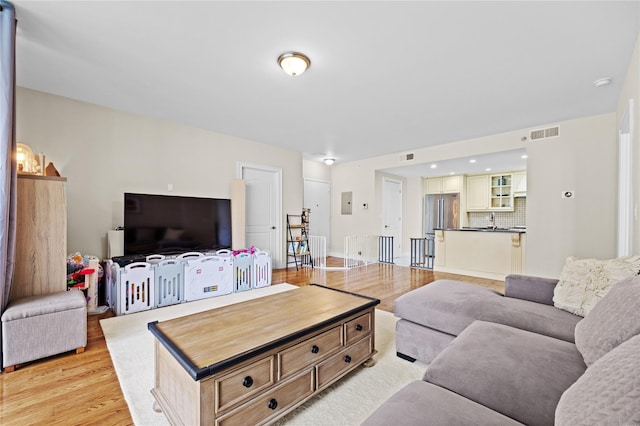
[(132, 288), (262, 269), (169, 282), (205, 277), (243, 272)]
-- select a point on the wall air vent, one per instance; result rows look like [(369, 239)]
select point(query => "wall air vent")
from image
[(406, 157), (550, 132)]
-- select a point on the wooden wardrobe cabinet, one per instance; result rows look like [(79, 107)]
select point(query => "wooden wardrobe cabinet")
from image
[(41, 236)]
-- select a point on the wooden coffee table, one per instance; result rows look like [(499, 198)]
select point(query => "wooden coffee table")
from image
[(255, 361)]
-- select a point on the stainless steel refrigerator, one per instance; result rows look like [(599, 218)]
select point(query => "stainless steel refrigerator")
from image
[(441, 211)]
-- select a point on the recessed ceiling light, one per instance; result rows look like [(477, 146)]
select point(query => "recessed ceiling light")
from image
[(433, 166), (472, 161), (452, 173), (524, 156), (602, 82), (488, 169)]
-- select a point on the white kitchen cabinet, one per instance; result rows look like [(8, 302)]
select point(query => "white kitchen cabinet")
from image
[(520, 183), (444, 185), (501, 192), (478, 193)]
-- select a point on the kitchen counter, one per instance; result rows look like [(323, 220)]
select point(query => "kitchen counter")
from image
[(486, 229), (480, 252)]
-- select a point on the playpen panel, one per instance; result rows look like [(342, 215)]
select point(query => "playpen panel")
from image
[(262, 269), (206, 277), (243, 272), (169, 282)]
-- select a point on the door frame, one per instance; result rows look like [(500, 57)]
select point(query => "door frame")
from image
[(625, 241), (277, 257)]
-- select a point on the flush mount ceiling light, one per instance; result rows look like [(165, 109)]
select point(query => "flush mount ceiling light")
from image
[(602, 82), (329, 161), (294, 63)]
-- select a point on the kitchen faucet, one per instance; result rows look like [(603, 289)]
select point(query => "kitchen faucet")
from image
[(492, 220)]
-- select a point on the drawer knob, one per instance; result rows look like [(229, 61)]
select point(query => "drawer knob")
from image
[(358, 327), (315, 349), (273, 404), (247, 382), (347, 359)]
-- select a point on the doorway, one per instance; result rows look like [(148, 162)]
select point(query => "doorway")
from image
[(263, 217), (392, 211), (317, 196)]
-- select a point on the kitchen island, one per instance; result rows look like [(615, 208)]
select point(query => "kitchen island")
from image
[(480, 252)]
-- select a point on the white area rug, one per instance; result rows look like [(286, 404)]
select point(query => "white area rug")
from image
[(347, 402)]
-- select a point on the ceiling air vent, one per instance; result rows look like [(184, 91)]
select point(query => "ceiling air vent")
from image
[(550, 132), (406, 157)]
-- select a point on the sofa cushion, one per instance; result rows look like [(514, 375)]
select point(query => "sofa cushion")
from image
[(451, 306), (615, 319), (583, 282), (608, 393), (423, 403), (514, 372)]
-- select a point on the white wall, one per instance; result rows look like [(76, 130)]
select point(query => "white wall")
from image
[(631, 90), (315, 170), (581, 159), (104, 153)]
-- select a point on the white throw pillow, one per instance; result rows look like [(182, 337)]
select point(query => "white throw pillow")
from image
[(583, 282)]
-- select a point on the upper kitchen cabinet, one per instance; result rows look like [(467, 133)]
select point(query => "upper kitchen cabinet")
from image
[(478, 192), (520, 183), (491, 192), (443, 185), (502, 192)]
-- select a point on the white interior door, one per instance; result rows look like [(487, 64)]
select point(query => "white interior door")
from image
[(392, 211), (263, 227), (317, 197)]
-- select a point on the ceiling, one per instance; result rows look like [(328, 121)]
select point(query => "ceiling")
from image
[(495, 162), (385, 76)]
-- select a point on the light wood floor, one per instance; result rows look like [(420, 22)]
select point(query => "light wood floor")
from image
[(83, 388)]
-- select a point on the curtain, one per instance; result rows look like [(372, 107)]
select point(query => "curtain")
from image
[(8, 178)]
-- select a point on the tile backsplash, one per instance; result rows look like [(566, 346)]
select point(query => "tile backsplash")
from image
[(518, 217)]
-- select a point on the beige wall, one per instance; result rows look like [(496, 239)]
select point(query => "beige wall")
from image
[(581, 159), (104, 153), (631, 90)]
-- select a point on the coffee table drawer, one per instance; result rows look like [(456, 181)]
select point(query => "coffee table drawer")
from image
[(296, 358), (343, 361), (271, 403), (241, 384), (357, 328)]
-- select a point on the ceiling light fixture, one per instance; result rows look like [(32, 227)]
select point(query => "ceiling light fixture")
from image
[(472, 161), (329, 161), (602, 82), (294, 63), (524, 156), (433, 166)]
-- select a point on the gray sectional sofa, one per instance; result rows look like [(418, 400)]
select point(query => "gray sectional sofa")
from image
[(516, 359)]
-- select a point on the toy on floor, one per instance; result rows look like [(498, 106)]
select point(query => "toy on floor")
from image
[(78, 268)]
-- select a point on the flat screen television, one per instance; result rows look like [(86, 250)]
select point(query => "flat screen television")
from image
[(163, 224)]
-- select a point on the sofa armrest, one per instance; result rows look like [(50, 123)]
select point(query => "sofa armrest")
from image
[(533, 289)]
